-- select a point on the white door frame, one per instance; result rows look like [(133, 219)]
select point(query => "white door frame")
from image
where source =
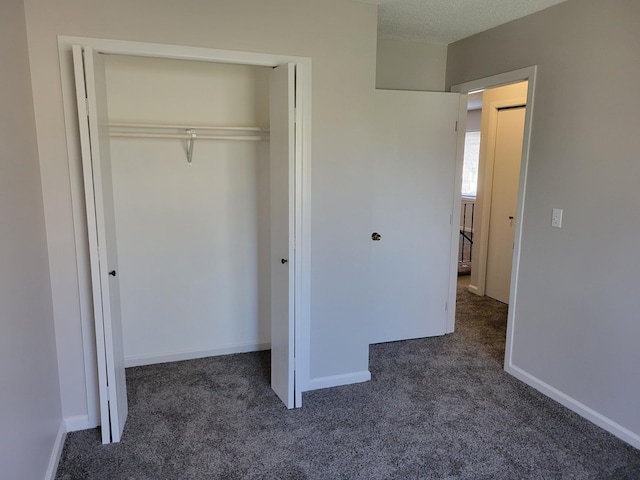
[(302, 257), (515, 76)]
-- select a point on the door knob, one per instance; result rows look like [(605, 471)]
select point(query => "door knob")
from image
[(283, 261), (112, 273), (376, 237)]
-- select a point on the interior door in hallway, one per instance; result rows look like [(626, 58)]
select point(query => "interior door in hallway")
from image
[(414, 177), (504, 201)]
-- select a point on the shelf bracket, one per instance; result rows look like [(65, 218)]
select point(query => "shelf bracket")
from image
[(192, 140)]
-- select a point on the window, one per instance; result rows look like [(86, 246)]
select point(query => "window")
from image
[(470, 166)]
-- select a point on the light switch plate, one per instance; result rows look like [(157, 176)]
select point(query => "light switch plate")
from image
[(556, 218)]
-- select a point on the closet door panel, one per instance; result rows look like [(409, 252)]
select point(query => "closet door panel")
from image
[(282, 156), (96, 160)]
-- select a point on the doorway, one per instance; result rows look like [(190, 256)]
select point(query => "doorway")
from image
[(296, 262), (487, 223), (523, 75)]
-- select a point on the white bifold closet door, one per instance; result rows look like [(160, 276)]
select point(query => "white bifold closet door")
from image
[(414, 179), (96, 166), (282, 171)]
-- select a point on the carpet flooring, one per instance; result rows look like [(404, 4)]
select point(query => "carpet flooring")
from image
[(436, 408)]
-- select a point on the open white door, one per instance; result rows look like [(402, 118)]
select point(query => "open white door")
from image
[(282, 164), (414, 177), (96, 165)]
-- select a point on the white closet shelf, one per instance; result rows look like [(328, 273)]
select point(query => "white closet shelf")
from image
[(212, 132), (187, 132), (187, 136), (145, 126)]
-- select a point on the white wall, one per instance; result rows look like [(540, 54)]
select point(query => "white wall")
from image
[(576, 325), (193, 241), (30, 412), (473, 120), (403, 65), (340, 37)]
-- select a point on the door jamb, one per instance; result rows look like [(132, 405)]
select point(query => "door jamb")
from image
[(528, 74), (461, 128), (302, 181)]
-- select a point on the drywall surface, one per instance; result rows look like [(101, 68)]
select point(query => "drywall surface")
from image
[(473, 120), (576, 310), (193, 241), (508, 95), (31, 416), (340, 37), (405, 65)]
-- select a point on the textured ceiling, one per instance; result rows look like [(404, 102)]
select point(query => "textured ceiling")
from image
[(445, 21)]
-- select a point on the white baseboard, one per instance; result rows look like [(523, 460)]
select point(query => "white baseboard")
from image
[(79, 422), (193, 354), (339, 380), (571, 403), (56, 452), (473, 289)]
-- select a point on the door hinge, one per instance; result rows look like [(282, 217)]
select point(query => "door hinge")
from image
[(456, 125), (446, 306), (86, 107)]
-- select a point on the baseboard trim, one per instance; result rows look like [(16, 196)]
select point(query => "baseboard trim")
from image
[(79, 422), (571, 403), (193, 354), (339, 380), (56, 452), (473, 289)]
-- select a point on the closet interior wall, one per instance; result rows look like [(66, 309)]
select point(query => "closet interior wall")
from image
[(193, 241)]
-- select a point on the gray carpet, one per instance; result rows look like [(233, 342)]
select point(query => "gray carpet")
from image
[(438, 408)]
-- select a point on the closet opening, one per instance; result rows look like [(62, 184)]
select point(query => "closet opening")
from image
[(191, 167), (193, 235)]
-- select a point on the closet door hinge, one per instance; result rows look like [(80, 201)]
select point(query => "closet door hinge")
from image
[(86, 107), (456, 125)]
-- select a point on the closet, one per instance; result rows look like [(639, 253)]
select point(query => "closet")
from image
[(190, 168), (207, 223)]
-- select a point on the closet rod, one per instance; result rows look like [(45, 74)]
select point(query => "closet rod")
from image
[(186, 136), (186, 127)]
